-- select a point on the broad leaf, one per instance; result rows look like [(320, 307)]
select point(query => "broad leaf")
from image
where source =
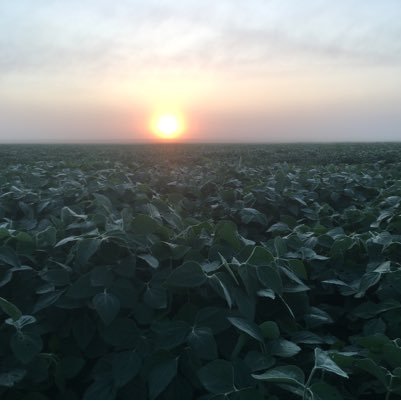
[(288, 374), (10, 309), (217, 377), (270, 278), (21, 322), (284, 348), (26, 346), (161, 375), (189, 274), (260, 257), (202, 343), (101, 389), (144, 225), (324, 362), (107, 306), (325, 391), (125, 366), (270, 330), (258, 361), (170, 334), (247, 327), (150, 260), (86, 248), (10, 378)]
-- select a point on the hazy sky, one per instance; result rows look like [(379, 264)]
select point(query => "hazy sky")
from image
[(239, 70)]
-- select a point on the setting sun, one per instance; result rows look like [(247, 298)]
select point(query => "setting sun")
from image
[(167, 126)]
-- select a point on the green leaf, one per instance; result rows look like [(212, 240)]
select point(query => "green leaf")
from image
[(125, 366), (121, 332), (101, 389), (288, 374), (221, 288), (144, 225), (379, 372), (22, 321), (217, 377), (101, 276), (260, 257), (26, 244), (161, 375), (70, 366), (246, 304), (150, 260), (368, 280), (374, 326), (82, 288), (250, 215), (214, 318), (324, 391), (189, 274), (280, 247), (298, 268), (71, 238), (46, 238), (247, 327), (258, 361), (170, 334), (317, 317), (209, 188), (226, 232), (107, 306), (10, 378), (228, 268), (9, 257), (370, 309), (324, 362), (392, 355), (83, 330), (155, 296), (306, 337), (270, 278), (103, 201), (26, 346), (284, 348), (86, 248), (270, 330), (58, 277), (202, 343), (374, 343), (10, 309), (266, 293), (67, 215), (294, 284), (279, 228), (6, 275), (384, 267)]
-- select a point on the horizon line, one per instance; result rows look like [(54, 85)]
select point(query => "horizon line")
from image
[(200, 142)]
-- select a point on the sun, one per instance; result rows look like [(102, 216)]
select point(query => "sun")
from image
[(168, 126)]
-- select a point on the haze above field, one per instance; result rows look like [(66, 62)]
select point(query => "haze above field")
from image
[(239, 71)]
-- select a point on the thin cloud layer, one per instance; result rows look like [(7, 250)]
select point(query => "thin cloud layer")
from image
[(250, 59)]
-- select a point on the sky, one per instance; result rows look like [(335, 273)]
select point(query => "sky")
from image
[(236, 70)]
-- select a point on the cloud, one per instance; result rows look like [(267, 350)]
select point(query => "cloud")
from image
[(240, 59), (80, 38)]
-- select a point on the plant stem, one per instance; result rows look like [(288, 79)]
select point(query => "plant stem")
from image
[(306, 388), (238, 347), (264, 348), (389, 388)]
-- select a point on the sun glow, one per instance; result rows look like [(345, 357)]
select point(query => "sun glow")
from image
[(168, 126)]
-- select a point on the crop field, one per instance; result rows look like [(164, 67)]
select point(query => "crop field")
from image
[(200, 271)]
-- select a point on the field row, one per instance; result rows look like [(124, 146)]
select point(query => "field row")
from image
[(200, 272)]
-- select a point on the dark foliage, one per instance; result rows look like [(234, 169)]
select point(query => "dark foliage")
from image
[(200, 271)]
